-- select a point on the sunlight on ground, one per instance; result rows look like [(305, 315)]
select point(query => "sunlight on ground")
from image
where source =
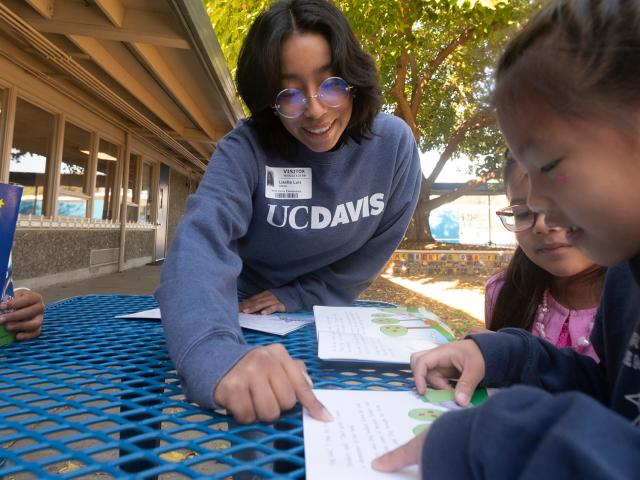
[(450, 292)]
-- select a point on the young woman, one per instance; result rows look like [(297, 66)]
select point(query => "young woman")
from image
[(302, 204)]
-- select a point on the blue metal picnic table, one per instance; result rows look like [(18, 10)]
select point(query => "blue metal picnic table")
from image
[(97, 397)]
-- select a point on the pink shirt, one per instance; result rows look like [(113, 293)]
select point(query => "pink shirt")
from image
[(579, 322)]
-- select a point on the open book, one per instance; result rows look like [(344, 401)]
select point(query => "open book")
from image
[(367, 424), (386, 335)]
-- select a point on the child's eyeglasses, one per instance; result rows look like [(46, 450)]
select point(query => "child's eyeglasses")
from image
[(517, 218), (332, 93)]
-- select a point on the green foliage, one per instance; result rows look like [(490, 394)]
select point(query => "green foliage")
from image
[(457, 87)]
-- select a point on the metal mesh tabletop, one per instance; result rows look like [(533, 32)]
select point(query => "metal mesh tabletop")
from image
[(97, 397)]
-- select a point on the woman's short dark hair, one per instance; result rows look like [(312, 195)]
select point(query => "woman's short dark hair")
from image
[(259, 68)]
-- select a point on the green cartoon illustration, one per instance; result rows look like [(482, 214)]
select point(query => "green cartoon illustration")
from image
[(385, 320), (391, 317), (394, 330), (425, 414)]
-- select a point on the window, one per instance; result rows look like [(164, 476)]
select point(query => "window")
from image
[(133, 189), (31, 155), (144, 213), (103, 200), (76, 151)]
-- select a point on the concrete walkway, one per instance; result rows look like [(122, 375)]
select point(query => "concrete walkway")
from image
[(137, 281), (449, 292)]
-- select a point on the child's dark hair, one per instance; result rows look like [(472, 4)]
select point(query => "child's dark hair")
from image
[(258, 73), (580, 58), (525, 282)]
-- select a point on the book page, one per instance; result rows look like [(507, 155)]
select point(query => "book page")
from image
[(348, 346), (377, 334), (366, 424)]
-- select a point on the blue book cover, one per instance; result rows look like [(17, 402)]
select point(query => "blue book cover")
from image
[(10, 196)]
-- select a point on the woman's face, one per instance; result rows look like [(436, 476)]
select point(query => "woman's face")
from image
[(306, 63)]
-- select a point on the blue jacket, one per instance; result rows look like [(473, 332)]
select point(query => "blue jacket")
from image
[(315, 228), (574, 419)]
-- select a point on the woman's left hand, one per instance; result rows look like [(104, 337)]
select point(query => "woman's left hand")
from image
[(264, 303), (403, 456), (26, 319)]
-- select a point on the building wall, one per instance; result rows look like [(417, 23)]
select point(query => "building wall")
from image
[(139, 244), (37, 253), (45, 257)]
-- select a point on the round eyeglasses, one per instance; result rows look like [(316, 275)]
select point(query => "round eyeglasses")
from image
[(333, 93), (517, 218)]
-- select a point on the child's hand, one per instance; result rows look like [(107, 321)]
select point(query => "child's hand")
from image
[(403, 456), (26, 319), (264, 302), (438, 366)]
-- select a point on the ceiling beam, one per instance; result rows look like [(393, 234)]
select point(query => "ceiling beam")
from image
[(113, 9), (137, 26), (43, 7), (128, 79), (193, 135), (165, 75)]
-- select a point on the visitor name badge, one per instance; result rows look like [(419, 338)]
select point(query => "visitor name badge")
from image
[(287, 183)]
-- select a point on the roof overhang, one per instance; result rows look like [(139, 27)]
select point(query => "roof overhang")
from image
[(156, 64)]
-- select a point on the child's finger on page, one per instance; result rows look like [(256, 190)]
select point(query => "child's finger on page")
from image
[(403, 456)]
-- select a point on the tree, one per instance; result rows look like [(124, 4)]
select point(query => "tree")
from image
[(435, 59)]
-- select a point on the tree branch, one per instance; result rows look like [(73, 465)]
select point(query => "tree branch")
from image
[(398, 93), (432, 66), (480, 119), (471, 185)]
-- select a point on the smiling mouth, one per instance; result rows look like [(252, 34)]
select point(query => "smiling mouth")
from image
[(319, 131)]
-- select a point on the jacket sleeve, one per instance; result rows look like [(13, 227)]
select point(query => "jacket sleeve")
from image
[(342, 281), (514, 355), (198, 286), (527, 433)]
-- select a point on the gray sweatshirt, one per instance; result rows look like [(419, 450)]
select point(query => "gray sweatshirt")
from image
[(315, 228)]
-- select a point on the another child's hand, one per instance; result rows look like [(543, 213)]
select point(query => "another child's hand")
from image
[(26, 319), (439, 365), (264, 303), (403, 456)]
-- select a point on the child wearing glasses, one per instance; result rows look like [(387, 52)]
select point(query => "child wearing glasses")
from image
[(550, 287), (302, 204), (568, 103)]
